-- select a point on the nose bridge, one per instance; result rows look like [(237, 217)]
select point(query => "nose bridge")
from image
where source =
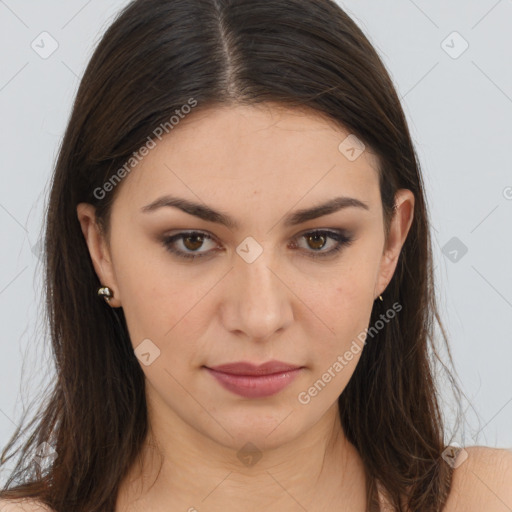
[(259, 305), (258, 277)]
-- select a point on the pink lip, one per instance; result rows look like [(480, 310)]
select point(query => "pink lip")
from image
[(251, 381)]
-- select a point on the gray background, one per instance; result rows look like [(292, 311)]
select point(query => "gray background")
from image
[(459, 106)]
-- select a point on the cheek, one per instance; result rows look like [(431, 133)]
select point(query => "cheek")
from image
[(335, 358), (345, 307), (165, 303), (151, 295)]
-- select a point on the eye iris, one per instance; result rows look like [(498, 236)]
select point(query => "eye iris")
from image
[(316, 237), (193, 237)]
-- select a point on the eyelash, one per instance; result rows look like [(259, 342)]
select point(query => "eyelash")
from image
[(342, 239)]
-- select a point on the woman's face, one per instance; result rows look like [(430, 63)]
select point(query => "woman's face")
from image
[(263, 286)]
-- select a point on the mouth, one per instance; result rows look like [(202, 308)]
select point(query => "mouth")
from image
[(255, 381)]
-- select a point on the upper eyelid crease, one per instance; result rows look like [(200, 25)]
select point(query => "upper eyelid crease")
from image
[(341, 237), (292, 219)]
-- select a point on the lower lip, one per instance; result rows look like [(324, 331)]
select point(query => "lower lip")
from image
[(251, 386)]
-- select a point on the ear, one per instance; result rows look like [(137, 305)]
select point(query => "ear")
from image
[(98, 250), (398, 229)]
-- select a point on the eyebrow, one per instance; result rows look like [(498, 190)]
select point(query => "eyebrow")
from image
[(292, 219)]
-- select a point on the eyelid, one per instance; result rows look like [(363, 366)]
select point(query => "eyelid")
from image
[(342, 237), (169, 240)]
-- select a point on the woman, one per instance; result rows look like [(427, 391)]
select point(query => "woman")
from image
[(239, 279)]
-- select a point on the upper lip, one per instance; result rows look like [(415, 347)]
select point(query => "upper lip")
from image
[(246, 368)]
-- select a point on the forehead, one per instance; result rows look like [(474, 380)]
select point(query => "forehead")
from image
[(267, 153)]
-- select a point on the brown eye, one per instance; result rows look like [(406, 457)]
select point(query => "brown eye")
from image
[(316, 241), (194, 242), (191, 242)]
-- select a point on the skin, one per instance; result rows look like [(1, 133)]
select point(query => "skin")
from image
[(256, 164), (482, 482)]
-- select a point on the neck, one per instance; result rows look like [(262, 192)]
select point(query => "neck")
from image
[(182, 469)]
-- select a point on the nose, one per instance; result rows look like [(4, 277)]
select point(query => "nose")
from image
[(258, 299)]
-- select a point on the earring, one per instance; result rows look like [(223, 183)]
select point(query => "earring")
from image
[(380, 298), (106, 293)]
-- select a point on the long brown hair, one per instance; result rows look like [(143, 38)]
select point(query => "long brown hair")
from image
[(155, 57)]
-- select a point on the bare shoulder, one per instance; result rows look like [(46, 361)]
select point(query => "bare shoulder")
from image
[(482, 480), (23, 505)]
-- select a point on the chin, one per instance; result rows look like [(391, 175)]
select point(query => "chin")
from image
[(265, 430)]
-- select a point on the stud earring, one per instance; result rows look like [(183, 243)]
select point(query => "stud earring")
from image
[(106, 293)]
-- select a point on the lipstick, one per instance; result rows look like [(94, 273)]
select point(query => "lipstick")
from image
[(255, 381)]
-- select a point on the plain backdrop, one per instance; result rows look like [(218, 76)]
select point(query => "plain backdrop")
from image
[(451, 63)]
